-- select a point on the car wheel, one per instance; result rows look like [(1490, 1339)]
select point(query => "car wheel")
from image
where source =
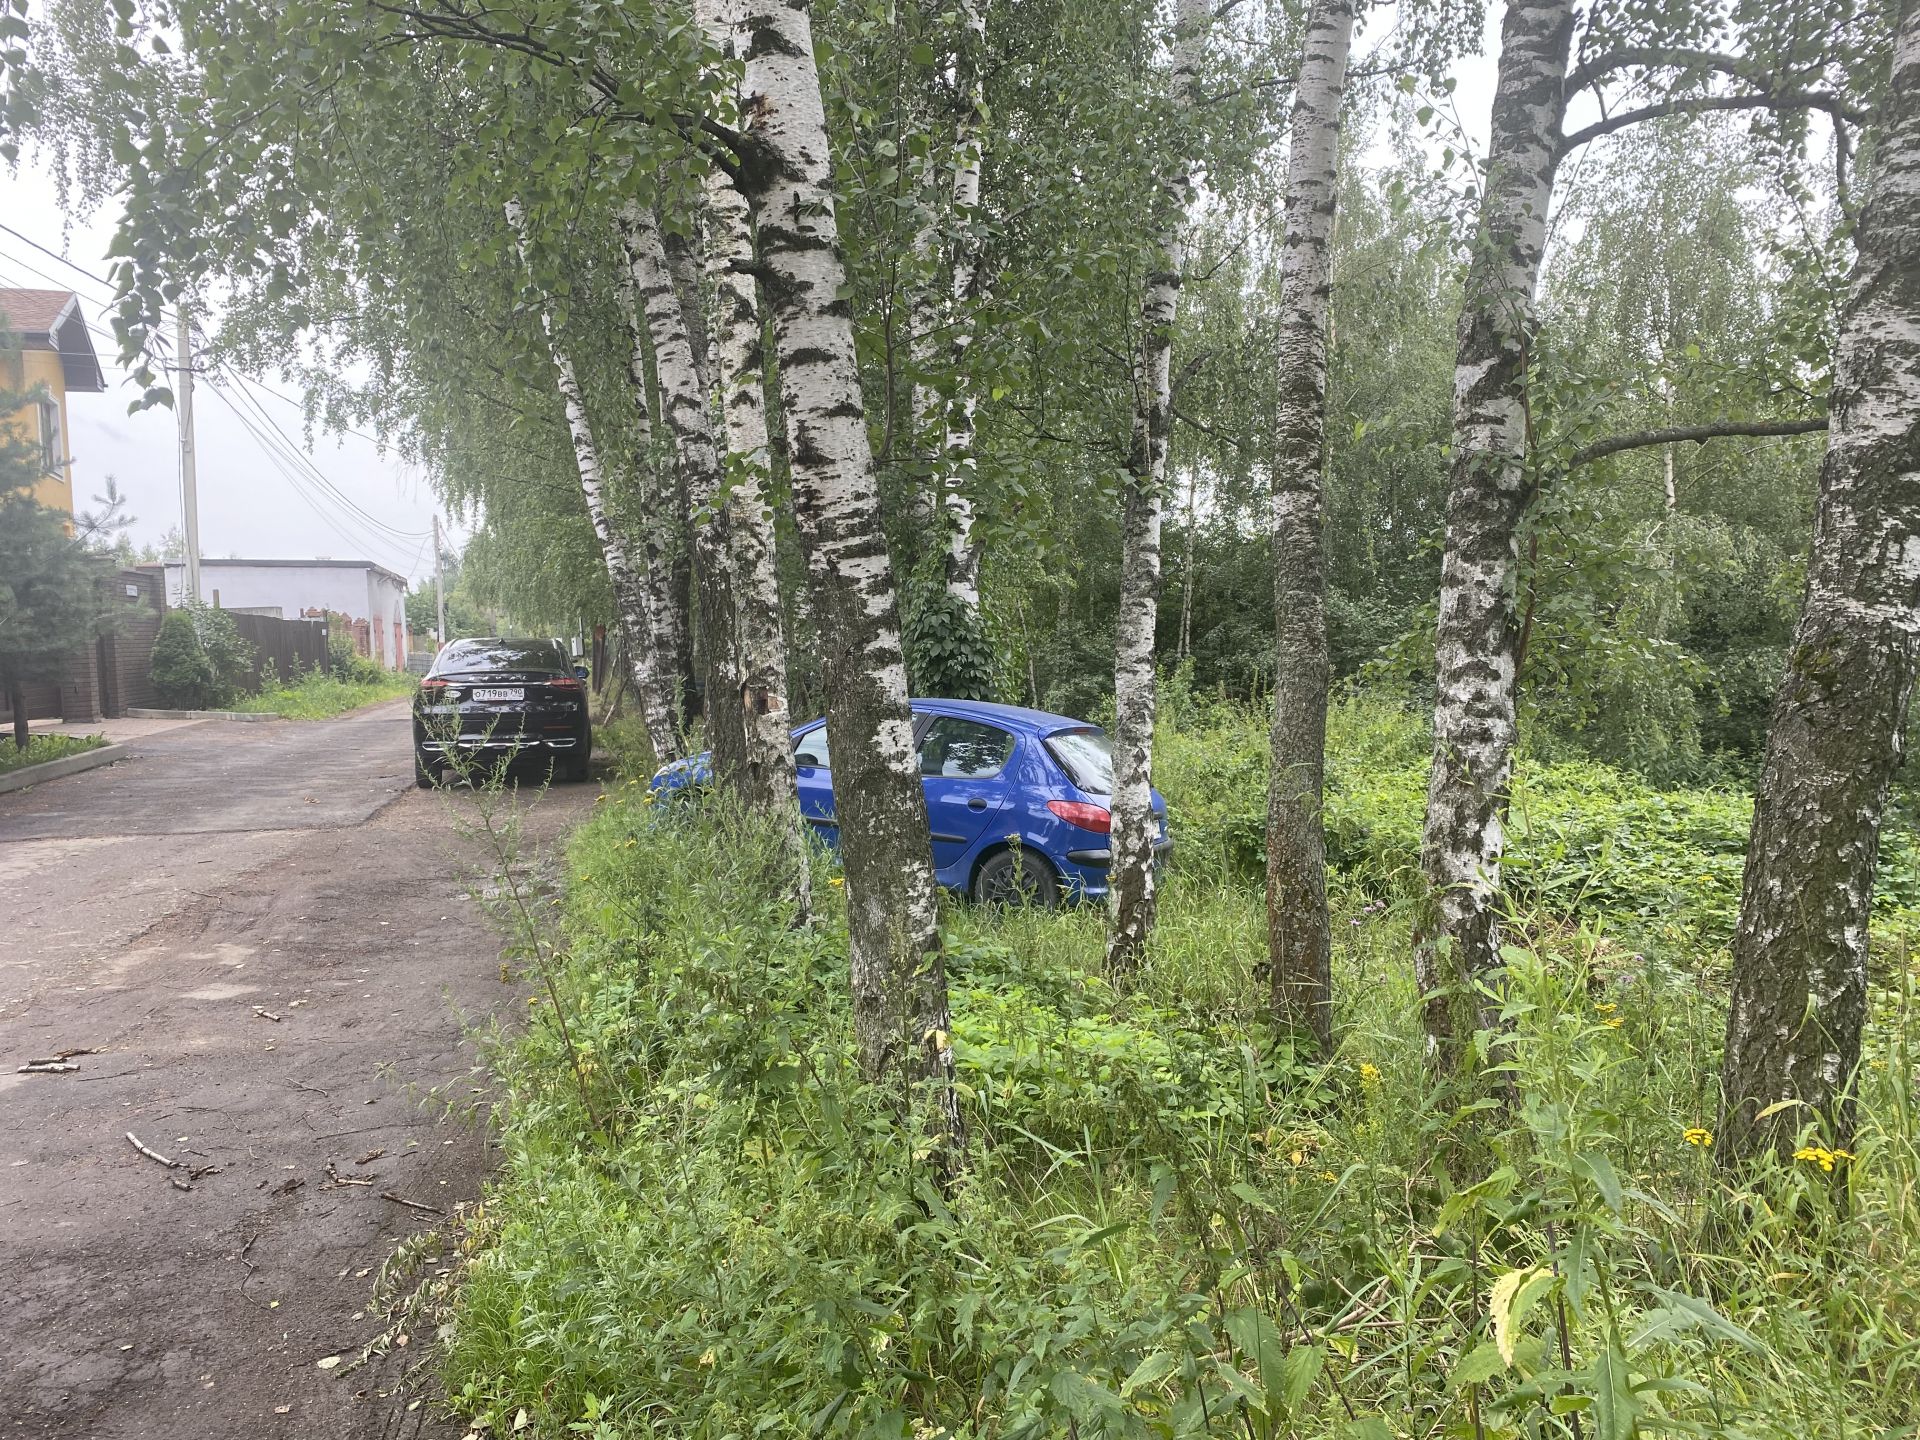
[(1016, 877), (574, 768), (424, 774)]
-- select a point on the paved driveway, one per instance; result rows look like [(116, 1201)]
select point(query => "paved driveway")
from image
[(148, 912)]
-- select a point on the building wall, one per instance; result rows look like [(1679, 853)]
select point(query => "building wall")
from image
[(23, 370), (372, 600)]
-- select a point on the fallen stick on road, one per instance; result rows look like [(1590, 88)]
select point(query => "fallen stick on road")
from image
[(410, 1204), (371, 1156), (46, 1067), (335, 1179), (134, 1140), (266, 1014)]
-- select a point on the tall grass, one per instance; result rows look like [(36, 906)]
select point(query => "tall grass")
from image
[(705, 1225), (320, 694)]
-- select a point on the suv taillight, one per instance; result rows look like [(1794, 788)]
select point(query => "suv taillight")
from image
[(432, 685), (565, 682), (1096, 818)]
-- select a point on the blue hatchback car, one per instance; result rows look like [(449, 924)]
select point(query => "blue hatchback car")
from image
[(1017, 800)]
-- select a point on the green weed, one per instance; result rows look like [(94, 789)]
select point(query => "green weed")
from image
[(705, 1225)]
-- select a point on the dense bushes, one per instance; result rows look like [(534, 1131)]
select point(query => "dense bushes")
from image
[(706, 1226), (199, 660)]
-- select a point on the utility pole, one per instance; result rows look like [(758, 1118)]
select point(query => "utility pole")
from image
[(439, 585), (189, 494)]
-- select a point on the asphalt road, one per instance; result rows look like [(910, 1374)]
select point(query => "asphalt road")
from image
[(149, 911)]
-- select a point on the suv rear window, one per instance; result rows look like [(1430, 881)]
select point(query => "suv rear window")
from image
[(465, 656), (1086, 756)]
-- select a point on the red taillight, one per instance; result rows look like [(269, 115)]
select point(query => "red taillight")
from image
[(565, 682), (433, 685), (1096, 818)]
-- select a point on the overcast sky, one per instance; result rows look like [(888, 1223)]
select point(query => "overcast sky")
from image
[(256, 499), (249, 505)]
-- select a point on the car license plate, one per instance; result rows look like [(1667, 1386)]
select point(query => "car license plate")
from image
[(514, 694)]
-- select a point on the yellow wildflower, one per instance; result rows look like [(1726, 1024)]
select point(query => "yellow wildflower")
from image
[(1369, 1073), (1695, 1135), (1821, 1156), (1328, 1176), (1605, 1007), (1297, 1157), (1614, 1022), (837, 881)]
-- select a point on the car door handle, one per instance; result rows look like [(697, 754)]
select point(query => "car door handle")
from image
[(976, 803)]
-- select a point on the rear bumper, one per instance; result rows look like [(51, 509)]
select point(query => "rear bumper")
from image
[(1084, 873)]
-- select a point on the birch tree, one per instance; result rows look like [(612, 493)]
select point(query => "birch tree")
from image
[(675, 324), (957, 465), (766, 780), (899, 982), (1799, 997), (1131, 877), (639, 604), (1477, 638), (1298, 938)]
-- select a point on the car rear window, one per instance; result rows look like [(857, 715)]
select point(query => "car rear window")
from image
[(475, 656), (1086, 756)]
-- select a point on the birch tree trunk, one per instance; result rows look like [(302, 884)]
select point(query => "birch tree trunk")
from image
[(957, 463), (679, 362), (637, 602), (898, 969), (1477, 638), (1298, 940), (1131, 878), (767, 781), (1834, 740)]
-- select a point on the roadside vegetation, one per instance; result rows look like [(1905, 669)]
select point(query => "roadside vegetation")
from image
[(321, 694), (42, 748), (707, 1224)]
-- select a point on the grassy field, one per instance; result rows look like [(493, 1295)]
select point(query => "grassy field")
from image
[(319, 695), (1170, 1224), (42, 748)]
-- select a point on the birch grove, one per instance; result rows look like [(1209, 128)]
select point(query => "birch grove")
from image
[(1835, 738), (1298, 935)]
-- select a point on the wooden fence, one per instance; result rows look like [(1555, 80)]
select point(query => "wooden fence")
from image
[(292, 647)]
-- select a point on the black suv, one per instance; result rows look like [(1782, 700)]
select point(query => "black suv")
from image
[(497, 699)]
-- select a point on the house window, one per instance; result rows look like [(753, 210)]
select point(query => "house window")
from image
[(53, 455)]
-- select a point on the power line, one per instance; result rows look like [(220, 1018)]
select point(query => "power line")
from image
[(338, 524)]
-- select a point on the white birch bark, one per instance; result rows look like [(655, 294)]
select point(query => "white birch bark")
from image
[(767, 780), (1477, 637), (1298, 940), (683, 394), (957, 464), (898, 970), (1799, 1001), (630, 591), (1131, 878)]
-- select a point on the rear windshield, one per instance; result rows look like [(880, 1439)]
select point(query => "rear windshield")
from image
[(469, 656), (1087, 757)]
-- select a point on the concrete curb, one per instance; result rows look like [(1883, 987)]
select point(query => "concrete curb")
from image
[(139, 713), (65, 765)]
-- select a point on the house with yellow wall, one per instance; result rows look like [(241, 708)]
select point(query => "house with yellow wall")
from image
[(46, 354)]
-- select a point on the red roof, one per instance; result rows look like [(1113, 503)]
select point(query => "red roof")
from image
[(51, 320), (33, 312)]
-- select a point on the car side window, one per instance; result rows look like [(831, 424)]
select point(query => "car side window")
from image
[(811, 749), (964, 749)]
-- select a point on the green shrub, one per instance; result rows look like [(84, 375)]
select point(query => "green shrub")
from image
[(182, 673)]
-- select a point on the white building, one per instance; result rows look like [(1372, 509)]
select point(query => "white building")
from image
[(372, 597)]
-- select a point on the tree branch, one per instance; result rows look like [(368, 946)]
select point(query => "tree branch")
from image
[(1697, 434), (1700, 104)]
